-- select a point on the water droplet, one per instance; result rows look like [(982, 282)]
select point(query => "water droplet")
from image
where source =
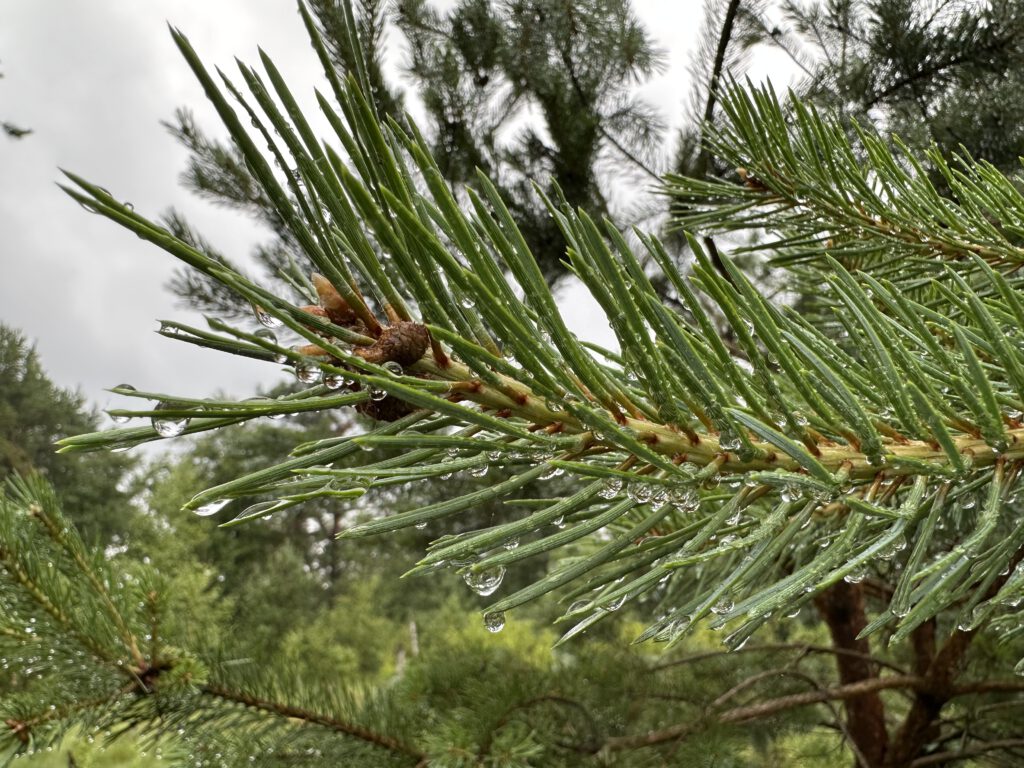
[(559, 522), (723, 606), (578, 606), (265, 318), (512, 543), (611, 489), (118, 419), (128, 205), (479, 471), (395, 369), (256, 510), (212, 508), (485, 583), (421, 526), (377, 394), (275, 416), (857, 575), (684, 499), (308, 373), (467, 302), (551, 472), (615, 604), (735, 641), (168, 426), (266, 335), (494, 621), (728, 441), (334, 381), (639, 492)]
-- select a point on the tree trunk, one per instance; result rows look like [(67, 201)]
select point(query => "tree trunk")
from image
[(842, 608)]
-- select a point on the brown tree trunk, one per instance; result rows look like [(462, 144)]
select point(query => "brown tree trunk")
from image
[(842, 608)]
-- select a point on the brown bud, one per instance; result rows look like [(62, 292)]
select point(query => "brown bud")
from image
[(403, 343), (334, 305)]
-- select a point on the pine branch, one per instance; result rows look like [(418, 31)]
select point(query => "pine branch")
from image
[(127, 688), (763, 709), (306, 716), (820, 192), (694, 466)]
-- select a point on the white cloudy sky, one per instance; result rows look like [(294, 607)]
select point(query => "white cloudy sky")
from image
[(94, 80)]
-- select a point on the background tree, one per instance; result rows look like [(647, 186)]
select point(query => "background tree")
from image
[(34, 414)]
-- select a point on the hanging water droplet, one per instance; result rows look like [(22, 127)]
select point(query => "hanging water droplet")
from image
[(118, 419), (494, 455), (512, 543), (212, 508), (421, 526), (334, 381), (857, 575), (735, 518), (800, 419), (168, 426), (611, 488), (685, 499), (258, 509), (723, 606), (735, 641), (275, 416), (615, 604), (265, 318), (377, 394), (551, 472), (467, 302), (266, 335), (479, 471), (729, 441), (639, 492), (308, 373), (395, 369), (559, 522), (485, 583), (494, 621)]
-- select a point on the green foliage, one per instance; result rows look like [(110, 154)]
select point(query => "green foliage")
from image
[(34, 414)]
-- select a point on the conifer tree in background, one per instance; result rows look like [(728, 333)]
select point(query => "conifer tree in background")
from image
[(480, 68), (863, 461), (34, 414)]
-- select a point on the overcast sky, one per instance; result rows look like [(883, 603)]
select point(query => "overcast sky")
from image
[(93, 80)]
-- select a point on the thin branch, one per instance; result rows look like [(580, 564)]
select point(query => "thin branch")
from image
[(941, 758), (314, 718), (765, 709), (777, 647)]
